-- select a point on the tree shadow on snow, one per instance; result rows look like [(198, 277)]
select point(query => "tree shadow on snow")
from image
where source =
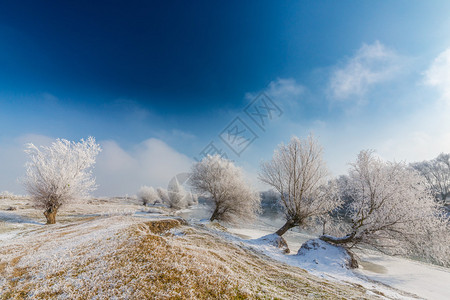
[(14, 218)]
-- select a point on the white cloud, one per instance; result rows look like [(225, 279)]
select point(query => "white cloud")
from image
[(438, 74), (283, 90), (370, 65), (427, 132), (416, 145), (175, 136), (151, 162)]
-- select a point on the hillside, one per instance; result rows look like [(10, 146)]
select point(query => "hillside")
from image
[(118, 251)]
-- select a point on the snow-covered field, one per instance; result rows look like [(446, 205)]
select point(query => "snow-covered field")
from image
[(422, 279), (427, 281), (27, 245)]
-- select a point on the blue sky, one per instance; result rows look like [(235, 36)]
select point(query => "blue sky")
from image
[(156, 82)]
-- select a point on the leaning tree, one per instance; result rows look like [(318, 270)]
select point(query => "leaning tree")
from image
[(224, 185), (298, 173), (393, 211), (60, 174)]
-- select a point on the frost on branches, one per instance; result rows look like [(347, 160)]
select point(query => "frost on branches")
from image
[(298, 173), (393, 211), (223, 182), (437, 175), (60, 173), (148, 195), (177, 196)]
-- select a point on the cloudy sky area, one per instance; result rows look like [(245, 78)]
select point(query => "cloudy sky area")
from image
[(155, 83)]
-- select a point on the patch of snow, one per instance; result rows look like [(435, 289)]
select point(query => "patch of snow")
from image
[(7, 236), (323, 257), (196, 212), (272, 240)]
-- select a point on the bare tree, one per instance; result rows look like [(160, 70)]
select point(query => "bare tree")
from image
[(224, 184), (298, 173), (148, 195), (437, 174), (60, 173), (392, 209)]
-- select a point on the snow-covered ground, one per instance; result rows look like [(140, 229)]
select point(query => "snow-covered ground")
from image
[(112, 253), (422, 279), (425, 280), (375, 273)]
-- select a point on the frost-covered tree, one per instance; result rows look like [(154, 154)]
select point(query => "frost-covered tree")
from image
[(437, 175), (163, 195), (191, 198), (8, 195), (60, 173), (344, 210), (147, 195), (177, 196), (392, 210), (298, 173), (224, 184)]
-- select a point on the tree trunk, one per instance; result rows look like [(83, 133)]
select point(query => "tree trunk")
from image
[(50, 214), (337, 241), (288, 225), (215, 214)]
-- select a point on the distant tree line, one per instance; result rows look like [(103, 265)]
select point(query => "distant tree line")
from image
[(437, 175)]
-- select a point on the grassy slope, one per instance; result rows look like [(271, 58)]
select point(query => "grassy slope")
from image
[(132, 257), (100, 251)]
